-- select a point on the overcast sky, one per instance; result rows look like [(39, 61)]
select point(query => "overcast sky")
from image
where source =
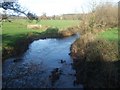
[(58, 7)]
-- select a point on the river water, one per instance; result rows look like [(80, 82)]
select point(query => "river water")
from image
[(33, 69)]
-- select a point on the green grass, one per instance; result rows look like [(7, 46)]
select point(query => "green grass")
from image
[(110, 35), (60, 23), (14, 33), (19, 26), (17, 29)]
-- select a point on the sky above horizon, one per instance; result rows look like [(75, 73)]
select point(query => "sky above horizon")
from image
[(58, 7)]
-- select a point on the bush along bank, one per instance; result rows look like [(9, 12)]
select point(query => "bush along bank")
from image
[(96, 62), (22, 44)]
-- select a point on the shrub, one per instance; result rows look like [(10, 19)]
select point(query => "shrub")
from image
[(96, 62)]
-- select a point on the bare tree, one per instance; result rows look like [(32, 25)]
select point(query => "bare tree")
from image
[(5, 16), (99, 17), (16, 7), (32, 16), (107, 14)]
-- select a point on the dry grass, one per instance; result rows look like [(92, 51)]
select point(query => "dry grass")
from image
[(96, 62), (37, 27), (68, 32)]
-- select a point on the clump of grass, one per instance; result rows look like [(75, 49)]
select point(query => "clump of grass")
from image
[(109, 34), (68, 31)]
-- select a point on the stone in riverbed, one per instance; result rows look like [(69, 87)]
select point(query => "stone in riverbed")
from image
[(17, 59), (55, 75)]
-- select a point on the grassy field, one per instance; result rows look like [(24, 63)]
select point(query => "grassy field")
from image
[(19, 26), (110, 35), (60, 23), (16, 32), (12, 30)]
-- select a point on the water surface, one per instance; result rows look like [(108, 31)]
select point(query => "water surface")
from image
[(33, 68)]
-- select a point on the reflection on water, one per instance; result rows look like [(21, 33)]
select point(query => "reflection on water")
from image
[(36, 67)]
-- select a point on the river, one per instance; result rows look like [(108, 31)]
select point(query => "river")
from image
[(33, 69)]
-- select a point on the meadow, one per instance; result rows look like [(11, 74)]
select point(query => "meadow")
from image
[(109, 35), (12, 30), (17, 31)]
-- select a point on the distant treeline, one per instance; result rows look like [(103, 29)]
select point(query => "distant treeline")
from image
[(54, 17)]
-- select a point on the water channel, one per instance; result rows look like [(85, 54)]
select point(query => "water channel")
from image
[(33, 69)]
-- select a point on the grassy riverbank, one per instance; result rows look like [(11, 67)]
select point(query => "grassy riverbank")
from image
[(17, 37), (110, 35), (13, 30), (96, 59)]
